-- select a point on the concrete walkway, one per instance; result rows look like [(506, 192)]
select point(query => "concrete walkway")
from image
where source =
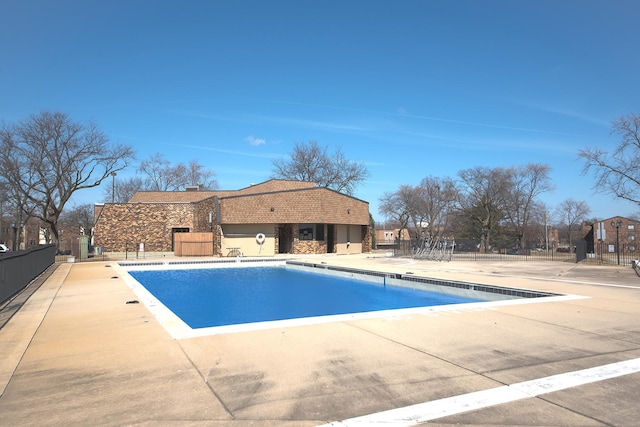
[(77, 354)]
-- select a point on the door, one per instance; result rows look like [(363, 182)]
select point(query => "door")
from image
[(330, 239), (285, 238)]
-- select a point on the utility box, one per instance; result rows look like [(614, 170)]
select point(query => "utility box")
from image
[(81, 250)]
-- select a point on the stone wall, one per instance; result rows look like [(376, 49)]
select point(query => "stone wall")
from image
[(124, 226), (306, 247), (202, 211), (366, 238)]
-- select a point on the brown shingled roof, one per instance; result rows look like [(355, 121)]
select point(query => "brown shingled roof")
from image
[(316, 204), (173, 196), (275, 185), (196, 196)]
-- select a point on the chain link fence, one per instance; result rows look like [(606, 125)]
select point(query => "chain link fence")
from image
[(131, 251)]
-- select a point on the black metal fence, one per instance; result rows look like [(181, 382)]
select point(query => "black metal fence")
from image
[(18, 269), (609, 254), (128, 251), (463, 250)]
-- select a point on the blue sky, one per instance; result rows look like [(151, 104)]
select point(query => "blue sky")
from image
[(410, 88)]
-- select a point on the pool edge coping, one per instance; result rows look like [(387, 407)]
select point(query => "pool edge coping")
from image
[(179, 329)]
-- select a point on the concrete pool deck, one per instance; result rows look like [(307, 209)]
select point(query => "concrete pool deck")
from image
[(77, 354)]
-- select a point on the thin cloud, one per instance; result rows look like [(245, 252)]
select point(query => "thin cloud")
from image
[(374, 163), (402, 113), (566, 112), (234, 152), (485, 125), (311, 123), (270, 119), (200, 115), (255, 141)]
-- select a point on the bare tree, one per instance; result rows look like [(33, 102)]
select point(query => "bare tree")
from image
[(46, 158), (160, 175), (570, 214), (19, 208), (434, 200), (527, 183), (483, 199), (123, 189), (311, 162), (197, 174), (538, 228), (618, 173), (6, 210), (397, 206), (78, 219)]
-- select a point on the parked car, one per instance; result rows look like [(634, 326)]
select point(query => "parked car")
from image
[(562, 250), (4, 248)]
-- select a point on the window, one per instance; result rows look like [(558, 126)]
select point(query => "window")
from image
[(311, 232), (631, 227), (306, 232), (631, 237)]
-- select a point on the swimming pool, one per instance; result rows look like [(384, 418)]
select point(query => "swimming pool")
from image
[(205, 298), (178, 328)]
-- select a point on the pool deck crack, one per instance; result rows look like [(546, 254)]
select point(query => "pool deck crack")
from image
[(488, 375), (426, 353), (568, 328), (209, 386), (581, 414)]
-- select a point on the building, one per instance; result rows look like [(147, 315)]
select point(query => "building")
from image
[(19, 235), (388, 238), (273, 217), (612, 235)]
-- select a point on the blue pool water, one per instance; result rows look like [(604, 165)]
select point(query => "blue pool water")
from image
[(227, 296)]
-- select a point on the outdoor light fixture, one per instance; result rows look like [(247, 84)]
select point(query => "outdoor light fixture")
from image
[(113, 187), (617, 225)]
